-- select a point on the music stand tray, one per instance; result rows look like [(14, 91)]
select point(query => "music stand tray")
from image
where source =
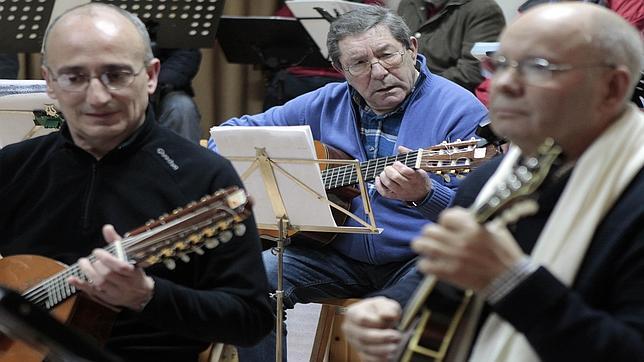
[(272, 41)]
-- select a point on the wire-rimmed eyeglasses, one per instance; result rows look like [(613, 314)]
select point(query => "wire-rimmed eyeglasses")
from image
[(112, 79), (531, 70), (387, 61)]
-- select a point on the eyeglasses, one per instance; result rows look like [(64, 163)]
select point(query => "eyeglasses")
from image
[(113, 79), (387, 61), (532, 70)]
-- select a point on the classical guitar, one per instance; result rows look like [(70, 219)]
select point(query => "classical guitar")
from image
[(429, 332), (453, 158), (42, 281)]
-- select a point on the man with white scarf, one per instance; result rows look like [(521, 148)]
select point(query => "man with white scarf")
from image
[(568, 282)]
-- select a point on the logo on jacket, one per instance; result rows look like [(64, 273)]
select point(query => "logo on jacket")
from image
[(167, 159)]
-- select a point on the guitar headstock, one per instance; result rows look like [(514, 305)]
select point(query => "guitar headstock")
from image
[(511, 195), (207, 223), (457, 158)]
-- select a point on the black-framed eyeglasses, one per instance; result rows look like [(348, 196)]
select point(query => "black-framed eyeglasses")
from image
[(532, 70), (387, 61), (112, 79)]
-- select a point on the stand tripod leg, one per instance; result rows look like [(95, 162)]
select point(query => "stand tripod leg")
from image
[(279, 293)]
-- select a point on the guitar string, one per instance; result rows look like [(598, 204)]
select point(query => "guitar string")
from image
[(52, 286), (57, 284), (370, 167), (56, 288), (339, 174)]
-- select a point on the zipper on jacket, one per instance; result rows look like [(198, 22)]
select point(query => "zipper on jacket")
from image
[(89, 197)]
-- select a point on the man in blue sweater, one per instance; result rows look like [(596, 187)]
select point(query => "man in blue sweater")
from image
[(390, 99)]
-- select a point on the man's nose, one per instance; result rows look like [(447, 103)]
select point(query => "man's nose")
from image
[(507, 81), (97, 93), (378, 71)]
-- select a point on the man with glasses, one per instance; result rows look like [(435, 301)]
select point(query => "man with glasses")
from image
[(565, 283), (389, 100), (109, 170)]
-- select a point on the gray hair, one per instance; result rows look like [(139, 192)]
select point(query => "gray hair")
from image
[(617, 42), (89, 9), (361, 20)]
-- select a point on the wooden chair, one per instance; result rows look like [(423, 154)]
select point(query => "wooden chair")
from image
[(219, 352), (329, 340)]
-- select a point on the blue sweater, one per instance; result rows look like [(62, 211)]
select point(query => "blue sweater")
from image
[(438, 110)]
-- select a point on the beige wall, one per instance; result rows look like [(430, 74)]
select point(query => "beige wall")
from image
[(225, 90)]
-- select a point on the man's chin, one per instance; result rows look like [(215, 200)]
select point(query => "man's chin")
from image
[(388, 102)]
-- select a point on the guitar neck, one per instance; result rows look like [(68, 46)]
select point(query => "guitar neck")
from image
[(449, 158), (347, 175), (205, 223)]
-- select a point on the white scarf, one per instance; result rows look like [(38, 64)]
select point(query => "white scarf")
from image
[(603, 172)]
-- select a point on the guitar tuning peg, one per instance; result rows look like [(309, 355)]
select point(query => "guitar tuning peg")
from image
[(162, 218), (198, 250), (193, 239), (149, 222), (191, 204), (239, 229), (208, 232), (446, 177), (225, 236), (184, 257), (170, 263), (176, 211), (211, 243)]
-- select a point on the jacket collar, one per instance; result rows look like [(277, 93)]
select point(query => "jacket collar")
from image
[(130, 144)]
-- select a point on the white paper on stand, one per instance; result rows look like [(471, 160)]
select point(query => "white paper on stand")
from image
[(293, 142), (481, 50)]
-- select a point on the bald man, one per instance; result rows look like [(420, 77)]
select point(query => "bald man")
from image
[(110, 169), (565, 284)]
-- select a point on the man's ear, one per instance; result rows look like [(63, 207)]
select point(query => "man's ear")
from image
[(152, 70), (413, 46), (618, 85), (48, 80)]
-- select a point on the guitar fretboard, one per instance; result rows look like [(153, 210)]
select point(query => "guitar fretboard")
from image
[(204, 223), (347, 174)]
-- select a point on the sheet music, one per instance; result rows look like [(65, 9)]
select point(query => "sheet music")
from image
[(295, 142), (312, 20)]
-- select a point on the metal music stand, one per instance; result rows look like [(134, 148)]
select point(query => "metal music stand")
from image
[(173, 24), (27, 322), (23, 25), (280, 179), (176, 23), (270, 41)]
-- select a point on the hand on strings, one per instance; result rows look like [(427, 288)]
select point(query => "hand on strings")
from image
[(403, 183), (113, 281)]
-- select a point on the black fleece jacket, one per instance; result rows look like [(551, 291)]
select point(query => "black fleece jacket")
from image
[(56, 197)]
